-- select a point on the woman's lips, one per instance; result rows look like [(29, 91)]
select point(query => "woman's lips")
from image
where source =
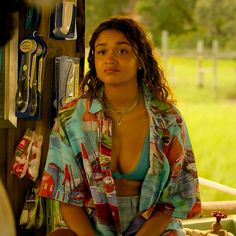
[(111, 70)]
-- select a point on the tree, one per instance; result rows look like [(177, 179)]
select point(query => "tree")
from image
[(185, 20), (175, 16), (216, 20), (98, 10)]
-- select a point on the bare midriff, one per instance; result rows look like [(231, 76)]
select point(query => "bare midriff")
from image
[(126, 187)]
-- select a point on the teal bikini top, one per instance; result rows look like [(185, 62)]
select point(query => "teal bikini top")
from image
[(142, 167)]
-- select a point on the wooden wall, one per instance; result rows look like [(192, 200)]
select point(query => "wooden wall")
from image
[(9, 138)]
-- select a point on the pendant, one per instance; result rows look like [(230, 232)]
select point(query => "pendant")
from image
[(118, 122)]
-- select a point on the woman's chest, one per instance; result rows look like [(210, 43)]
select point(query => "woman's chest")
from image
[(128, 143)]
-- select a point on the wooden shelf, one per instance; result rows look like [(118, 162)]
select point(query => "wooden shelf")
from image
[(10, 81)]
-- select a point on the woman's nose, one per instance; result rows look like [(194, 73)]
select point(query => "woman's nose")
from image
[(111, 57)]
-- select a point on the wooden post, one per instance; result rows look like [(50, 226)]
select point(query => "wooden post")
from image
[(200, 50), (172, 74), (235, 75), (164, 47), (215, 48)]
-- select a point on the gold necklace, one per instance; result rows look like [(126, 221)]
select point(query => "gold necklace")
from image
[(120, 113)]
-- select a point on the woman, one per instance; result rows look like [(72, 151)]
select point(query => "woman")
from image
[(120, 160)]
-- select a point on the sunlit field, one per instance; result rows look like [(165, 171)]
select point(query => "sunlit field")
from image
[(210, 114)]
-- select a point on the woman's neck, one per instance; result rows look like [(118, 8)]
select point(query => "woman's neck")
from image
[(120, 97)]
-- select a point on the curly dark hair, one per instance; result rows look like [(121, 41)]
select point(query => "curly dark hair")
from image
[(151, 75)]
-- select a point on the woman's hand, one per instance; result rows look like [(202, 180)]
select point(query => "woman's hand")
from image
[(156, 224)]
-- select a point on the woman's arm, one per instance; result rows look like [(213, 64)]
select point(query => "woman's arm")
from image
[(156, 224), (77, 219)]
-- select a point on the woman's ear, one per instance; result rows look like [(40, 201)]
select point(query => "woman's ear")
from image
[(140, 65)]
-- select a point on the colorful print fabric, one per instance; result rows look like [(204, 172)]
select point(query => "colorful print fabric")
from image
[(78, 170)]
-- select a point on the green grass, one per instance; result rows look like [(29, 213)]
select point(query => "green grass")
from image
[(210, 116)]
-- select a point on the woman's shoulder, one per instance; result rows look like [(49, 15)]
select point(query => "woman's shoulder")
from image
[(173, 115), (164, 108), (168, 111), (69, 109), (174, 110)]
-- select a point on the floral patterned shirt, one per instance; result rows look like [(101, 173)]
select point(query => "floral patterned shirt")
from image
[(78, 166)]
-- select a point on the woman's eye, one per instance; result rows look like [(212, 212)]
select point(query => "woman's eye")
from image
[(122, 51), (101, 52)]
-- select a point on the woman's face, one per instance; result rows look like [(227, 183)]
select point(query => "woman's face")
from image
[(115, 60)]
